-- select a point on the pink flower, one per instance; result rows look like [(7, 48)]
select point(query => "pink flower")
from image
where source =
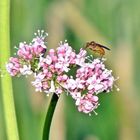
[(37, 50), (51, 71), (97, 78), (71, 84), (62, 78), (38, 44), (39, 40), (66, 55), (26, 70), (58, 61), (43, 84), (24, 51), (75, 95), (81, 57), (13, 66), (87, 103), (75, 85), (34, 49), (39, 82)]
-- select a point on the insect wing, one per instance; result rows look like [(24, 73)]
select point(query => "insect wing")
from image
[(103, 46)]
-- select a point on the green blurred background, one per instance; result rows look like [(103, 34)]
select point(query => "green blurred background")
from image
[(114, 23)]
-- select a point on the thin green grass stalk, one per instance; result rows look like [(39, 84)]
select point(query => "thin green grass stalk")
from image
[(6, 82)]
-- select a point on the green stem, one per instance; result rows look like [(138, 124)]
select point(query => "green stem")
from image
[(6, 82), (49, 116)]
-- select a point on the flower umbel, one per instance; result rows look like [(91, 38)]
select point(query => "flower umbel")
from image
[(51, 70)]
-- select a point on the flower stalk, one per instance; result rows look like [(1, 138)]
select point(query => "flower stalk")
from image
[(49, 116), (6, 82)]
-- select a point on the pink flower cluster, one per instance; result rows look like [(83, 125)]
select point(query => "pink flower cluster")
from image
[(13, 67), (54, 67), (28, 56), (93, 78), (52, 71)]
